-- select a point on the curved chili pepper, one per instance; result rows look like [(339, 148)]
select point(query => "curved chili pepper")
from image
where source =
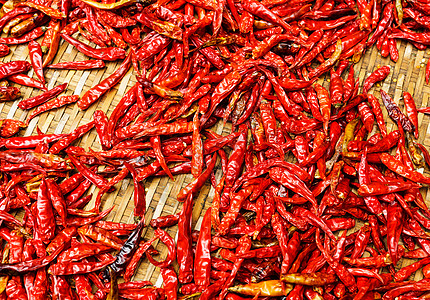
[(52, 104), (127, 250), (170, 243), (109, 54), (396, 166), (136, 258), (377, 75), (195, 185)]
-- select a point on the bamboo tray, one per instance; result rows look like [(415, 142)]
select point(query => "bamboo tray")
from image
[(406, 75)]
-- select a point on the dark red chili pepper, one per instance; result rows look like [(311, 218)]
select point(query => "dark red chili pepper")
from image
[(395, 113)]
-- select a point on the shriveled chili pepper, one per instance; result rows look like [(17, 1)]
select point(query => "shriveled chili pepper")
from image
[(377, 75), (396, 166), (109, 54), (31, 265), (395, 113), (169, 242), (202, 263), (411, 111), (136, 257), (195, 185), (185, 256), (90, 175), (96, 92), (35, 53), (127, 250), (66, 141), (54, 42), (271, 288), (79, 65), (52, 104), (39, 99)]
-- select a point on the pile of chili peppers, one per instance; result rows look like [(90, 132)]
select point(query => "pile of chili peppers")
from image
[(302, 166)]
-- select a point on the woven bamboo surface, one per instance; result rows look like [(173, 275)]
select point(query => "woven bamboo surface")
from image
[(406, 75)]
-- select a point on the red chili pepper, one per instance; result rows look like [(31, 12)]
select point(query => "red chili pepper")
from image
[(185, 257), (52, 104), (378, 75), (37, 100), (170, 243), (96, 92), (45, 216), (139, 193), (109, 54), (29, 36), (411, 111), (197, 148), (79, 65), (35, 53), (14, 67), (202, 263)]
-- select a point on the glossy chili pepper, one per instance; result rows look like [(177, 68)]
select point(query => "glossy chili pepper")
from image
[(31, 265), (13, 13), (326, 65), (202, 263), (66, 141), (195, 185), (127, 250), (394, 228), (96, 92), (411, 111), (14, 67), (378, 75), (8, 93), (136, 258), (52, 104), (109, 54), (271, 288), (82, 250), (170, 243), (197, 148), (79, 65), (54, 43), (39, 99), (29, 36), (35, 53), (397, 166), (185, 257), (69, 268)]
